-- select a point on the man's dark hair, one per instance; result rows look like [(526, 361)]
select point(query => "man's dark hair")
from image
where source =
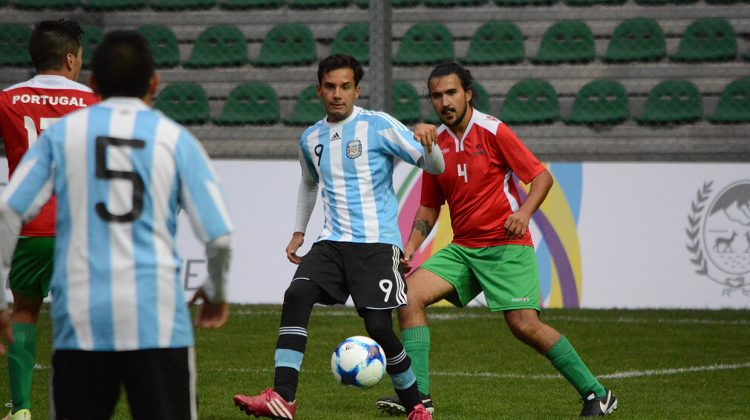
[(122, 65), (445, 69), (51, 41), (340, 61)]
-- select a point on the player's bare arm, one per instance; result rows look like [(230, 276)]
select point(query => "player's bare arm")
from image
[(298, 238), (518, 222), (424, 221), (425, 134)]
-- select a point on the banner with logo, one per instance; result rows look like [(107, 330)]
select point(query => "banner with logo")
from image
[(624, 235)]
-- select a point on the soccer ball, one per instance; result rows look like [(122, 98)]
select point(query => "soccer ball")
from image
[(358, 361)]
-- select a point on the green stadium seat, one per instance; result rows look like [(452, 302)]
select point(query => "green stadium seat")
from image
[(746, 56), (425, 43), (184, 102), (664, 2), (496, 42), (672, 102), (14, 45), (287, 44), (91, 38), (182, 4), (523, 3), (46, 4), (567, 41), (710, 39), (405, 102), (163, 44), (637, 39), (723, 2), (531, 101), (734, 103), (250, 103), (453, 3), (109, 5), (600, 102), (394, 3), (353, 39), (317, 4), (251, 4), (308, 109), (589, 3), (218, 46)]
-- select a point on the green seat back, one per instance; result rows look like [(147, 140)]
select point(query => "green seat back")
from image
[(589, 3), (425, 43), (710, 39), (531, 101), (47, 4), (251, 4), (394, 3), (453, 3), (182, 4), (496, 42), (522, 3), (218, 46), (672, 102), (664, 2), (104, 5), (746, 56), (250, 103), (734, 103), (184, 102), (91, 38), (353, 39), (163, 44), (637, 39), (600, 102), (14, 45), (287, 44), (567, 41), (405, 102), (317, 4), (308, 109)]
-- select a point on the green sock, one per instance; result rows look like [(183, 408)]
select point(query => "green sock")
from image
[(565, 359), (417, 345), (21, 356)]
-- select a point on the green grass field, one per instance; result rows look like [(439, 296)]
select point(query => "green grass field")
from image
[(662, 364)]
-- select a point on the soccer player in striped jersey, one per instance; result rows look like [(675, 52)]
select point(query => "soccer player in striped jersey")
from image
[(26, 109), (121, 172), (350, 154), (492, 250)]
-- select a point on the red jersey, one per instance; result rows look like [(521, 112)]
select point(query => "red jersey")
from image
[(477, 182), (25, 110)]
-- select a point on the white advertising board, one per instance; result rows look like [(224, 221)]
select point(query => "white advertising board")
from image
[(609, 235)]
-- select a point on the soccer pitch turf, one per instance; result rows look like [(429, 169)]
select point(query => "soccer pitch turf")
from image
[(661, 364)]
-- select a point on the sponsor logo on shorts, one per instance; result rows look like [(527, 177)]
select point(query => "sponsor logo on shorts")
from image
[(519, 299)]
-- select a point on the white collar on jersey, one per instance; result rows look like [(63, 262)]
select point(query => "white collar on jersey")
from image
[(124, 102), (355, 111)]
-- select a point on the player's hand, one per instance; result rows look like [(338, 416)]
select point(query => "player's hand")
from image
[(405, 261), (6, 333), (516, 225), (426, 134), (211, 315), (298, 238)]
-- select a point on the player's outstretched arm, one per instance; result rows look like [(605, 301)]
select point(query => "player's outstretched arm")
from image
[(432, 158), (424, 221)]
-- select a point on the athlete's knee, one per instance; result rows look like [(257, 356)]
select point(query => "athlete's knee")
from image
[(301, 293), (523, 324), (378, 324)]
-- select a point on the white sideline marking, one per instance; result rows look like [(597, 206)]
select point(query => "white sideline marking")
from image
[(615, 375), (585, 319)]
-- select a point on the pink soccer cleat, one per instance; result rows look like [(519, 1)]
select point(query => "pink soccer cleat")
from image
[(268, 404), (419, 413)]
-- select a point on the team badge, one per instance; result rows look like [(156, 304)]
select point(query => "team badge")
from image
[(354, 149), (718, 234)]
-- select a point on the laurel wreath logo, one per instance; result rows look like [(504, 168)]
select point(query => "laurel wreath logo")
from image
[(693, 230)]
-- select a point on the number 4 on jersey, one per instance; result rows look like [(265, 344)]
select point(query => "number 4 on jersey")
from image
[(462, 172)]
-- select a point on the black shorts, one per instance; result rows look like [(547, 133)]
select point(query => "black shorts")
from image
[(370, 273), (159, 383)]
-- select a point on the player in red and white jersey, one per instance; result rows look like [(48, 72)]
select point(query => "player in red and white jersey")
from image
[(492, 250), (26, 109)]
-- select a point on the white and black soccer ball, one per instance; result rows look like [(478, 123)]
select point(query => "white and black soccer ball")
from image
[(358, 361)]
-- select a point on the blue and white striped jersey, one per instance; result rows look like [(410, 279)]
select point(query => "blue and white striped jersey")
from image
[(353, 162), (121, 171)]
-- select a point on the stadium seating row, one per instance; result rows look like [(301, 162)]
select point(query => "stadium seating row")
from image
[(530, 101), (495, 42), (104, 5)]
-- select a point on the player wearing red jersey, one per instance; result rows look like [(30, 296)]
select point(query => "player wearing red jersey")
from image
[(26, 109), (492, 250)]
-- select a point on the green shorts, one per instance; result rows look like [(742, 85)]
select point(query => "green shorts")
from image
[(507, 274), (31, 268)]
